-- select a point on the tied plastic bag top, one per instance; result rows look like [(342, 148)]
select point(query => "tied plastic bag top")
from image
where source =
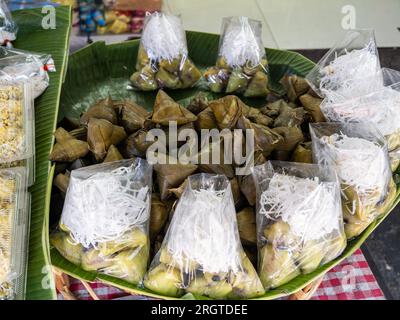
[(299, 220), (8, 28), (17, 139), (162, 60), (201, 253), (19, 65), (351, 68), (358, 153), (105, 219), (242, 65), (14, 215)]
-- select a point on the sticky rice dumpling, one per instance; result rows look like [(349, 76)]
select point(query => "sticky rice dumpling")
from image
[(209, 262), (358, 152), (299, 220), (105, 219)]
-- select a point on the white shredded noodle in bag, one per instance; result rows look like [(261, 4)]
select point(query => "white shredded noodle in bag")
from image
[(359, 163), (105, 206), (352, 74), (205, 231), (381, 108), (240, 44), (163, 37), (307, 205)]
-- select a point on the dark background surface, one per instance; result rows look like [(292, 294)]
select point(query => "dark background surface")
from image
[(382, 249)]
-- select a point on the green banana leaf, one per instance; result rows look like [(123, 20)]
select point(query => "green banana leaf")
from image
[(100, 70), (32, 36)]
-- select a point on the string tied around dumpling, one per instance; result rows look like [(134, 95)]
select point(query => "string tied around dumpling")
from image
[(105, 206), (307, 205)]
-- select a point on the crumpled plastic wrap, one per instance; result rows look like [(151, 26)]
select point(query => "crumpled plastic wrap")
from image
[(19, 65)]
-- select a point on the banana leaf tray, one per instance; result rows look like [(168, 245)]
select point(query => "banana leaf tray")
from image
[(33, 35), (99, 70)]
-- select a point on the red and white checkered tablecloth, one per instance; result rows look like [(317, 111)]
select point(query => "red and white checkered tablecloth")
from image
[(350, 280)]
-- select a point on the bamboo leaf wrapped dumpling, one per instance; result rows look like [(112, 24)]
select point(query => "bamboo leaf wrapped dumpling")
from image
[(105, 219), (166, 109), (295, 86), (358, 152), (201, 252), (299, 220), (67, 147), (163, 60), (102, 109), (101, 135), (241, 65)]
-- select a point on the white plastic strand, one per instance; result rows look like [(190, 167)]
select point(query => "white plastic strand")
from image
[(163, 37), (307, 205), (205, 231), (105, 206), (240, 43)]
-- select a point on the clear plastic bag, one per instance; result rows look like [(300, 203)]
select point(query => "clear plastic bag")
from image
[(390, 77), (351, 68), (242, 65), (299, 220), (17, 134), (8, 28), (201, 253), (162, 60), (380, 107), (105, 219), (14, 232), (358, 152), (19, 65)]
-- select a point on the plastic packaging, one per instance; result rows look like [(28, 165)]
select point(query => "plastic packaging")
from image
[(299, 220), (14, 232), (358, 152), (390, 77), (242, 65), (19, 65), (17, 133), (351, 68), (163, 60), (201, 253), (105, 219), (8, 28), (381, 108)]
